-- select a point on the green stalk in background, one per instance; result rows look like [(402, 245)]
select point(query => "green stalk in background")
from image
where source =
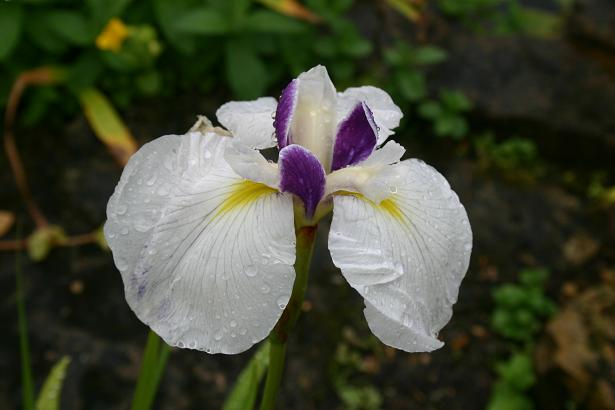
[(154, 362), (279, 335), (24, 346)]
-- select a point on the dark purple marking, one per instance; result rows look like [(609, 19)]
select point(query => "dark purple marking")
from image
[(303, 175), (356, 137), (284, 113)]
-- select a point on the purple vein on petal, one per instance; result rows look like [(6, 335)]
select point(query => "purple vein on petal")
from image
[(356, 137), (303, 175), (284, 113)]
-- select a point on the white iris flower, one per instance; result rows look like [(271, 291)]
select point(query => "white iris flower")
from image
[(202, 226)]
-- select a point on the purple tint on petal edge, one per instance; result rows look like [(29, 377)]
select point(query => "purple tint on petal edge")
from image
[(303, 175), (283, 114), (356, 137)]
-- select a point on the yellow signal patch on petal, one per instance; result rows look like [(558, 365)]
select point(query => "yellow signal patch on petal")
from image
[(243, 193), (388, 206)]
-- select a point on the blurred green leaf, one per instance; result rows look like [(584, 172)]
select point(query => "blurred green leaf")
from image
[(154, 362), (430, 110), (42, 35), (43, 240), (70, 25), (168, 12), (103, 10), (428, 55), (245, 390), (85, 71), (412, 85), (455, 100), (245, 72), (263, 21), (10, 28), (107, 124), (451, 125), (49, 396), (202, 21)]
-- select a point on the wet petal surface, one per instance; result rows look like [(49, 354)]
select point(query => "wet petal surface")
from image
[(206, 256), (405, 255), (303, 175)]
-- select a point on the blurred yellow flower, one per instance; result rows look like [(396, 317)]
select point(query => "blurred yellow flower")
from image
[(113, 35)]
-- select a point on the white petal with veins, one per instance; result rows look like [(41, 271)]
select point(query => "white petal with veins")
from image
[(388, 154), (250, 164), (206, 257), (386, 114), (251, 122), (406, 256)]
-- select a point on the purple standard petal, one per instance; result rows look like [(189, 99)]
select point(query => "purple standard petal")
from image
[(283, 114), (356, 137), (303, 175)]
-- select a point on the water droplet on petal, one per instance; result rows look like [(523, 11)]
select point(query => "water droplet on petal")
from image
[(121, 209), (251, 271), (233, 323), (180, 344), (218, 336), (265, 289), (124, 230), (282, 301), (151, 181)]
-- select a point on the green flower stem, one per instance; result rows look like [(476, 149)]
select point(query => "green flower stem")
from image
[(279, 334)]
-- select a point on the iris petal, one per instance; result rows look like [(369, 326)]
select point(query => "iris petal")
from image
[(206, 256), (250, 122), (284, 112), (405, 255), (303, 175), (356, 138), (386, 114)]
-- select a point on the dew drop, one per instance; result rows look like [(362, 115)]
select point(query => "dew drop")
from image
[(265, 289), (243, 331), (282, 301), (180, 344), (121, 209), (251, 271), (192, 345), (122, 264), (233, 334), (163, 191), (208, 350), (207, 154), (218, 336), (151, 180), (124, 230), (233, 323)]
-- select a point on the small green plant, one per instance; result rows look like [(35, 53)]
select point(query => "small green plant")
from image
[(407, 62), (354, 395), (516, 155), (521, 308), (505, 16), (515, 377), (447, 114)]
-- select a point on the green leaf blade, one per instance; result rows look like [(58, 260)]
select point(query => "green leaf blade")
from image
[(49, 397), (243, 395), (11, 18)]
